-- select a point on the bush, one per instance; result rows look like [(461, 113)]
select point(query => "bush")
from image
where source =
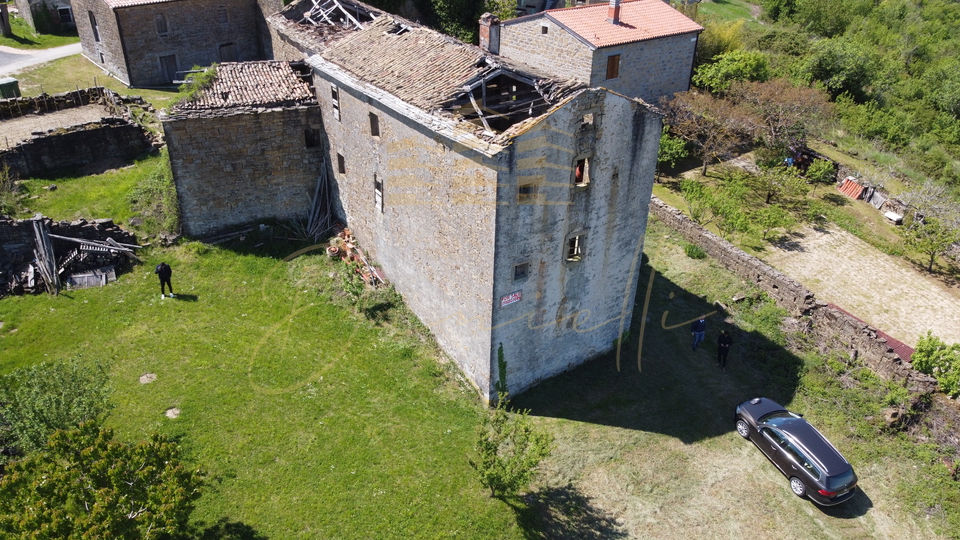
[(155, 199), (694, 251), (934, 357)]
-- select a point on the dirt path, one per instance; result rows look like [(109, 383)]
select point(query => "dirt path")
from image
[(885, 291), (19, 129)]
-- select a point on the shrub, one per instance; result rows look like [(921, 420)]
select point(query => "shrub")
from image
[(155, 199), (694, 251), (934, 357)]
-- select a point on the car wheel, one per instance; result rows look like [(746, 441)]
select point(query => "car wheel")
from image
[(797, 487), (743, 428)]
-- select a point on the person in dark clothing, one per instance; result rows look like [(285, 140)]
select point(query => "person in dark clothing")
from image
[(164, 272), (724, 342), (699, 331)]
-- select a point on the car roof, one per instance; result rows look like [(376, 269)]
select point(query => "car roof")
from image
[(815, 443)]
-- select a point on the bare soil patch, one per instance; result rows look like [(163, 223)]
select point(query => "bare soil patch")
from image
[(20, 129), (885, 291)]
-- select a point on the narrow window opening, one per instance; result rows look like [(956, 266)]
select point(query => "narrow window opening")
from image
[(311, 137), (66, 16), (335, 99), (222, 16), (374, 125), (160, 22), (588, 119), (378, 192), (581, 174), (102, 59), (544, 29), (613, 66), (575, 248), (526, 193), (520, 271), (93, 24), (341, 164)]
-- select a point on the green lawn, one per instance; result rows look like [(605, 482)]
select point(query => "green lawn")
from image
[(25, 38)]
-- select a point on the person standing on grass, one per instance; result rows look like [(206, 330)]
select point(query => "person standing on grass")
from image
[(724, 342), (164, 272), (699, 331)]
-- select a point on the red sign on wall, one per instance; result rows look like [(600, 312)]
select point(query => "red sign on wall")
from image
[(511, 298)]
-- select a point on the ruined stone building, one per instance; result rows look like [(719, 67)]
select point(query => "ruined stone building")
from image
[(152, 42), (507, 203), (638, 48), (46, 15)]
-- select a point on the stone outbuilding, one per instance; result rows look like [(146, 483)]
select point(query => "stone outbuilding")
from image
[(147, 43), (46, 15), (246, 149), (638, 48)]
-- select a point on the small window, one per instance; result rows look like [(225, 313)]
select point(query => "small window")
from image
[(544, 29), (374, 125), (526, 193), (588, 119), (613, 66), (66, 17), (311, 137), (378, 192), (102, 59), (160, 23), (335, 100), (341, 164), (581, 173), (575, 248), (93, 25), (222, 16), (520, 271)]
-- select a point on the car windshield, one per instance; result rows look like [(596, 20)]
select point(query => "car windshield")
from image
[(777, 417), (840, 481)]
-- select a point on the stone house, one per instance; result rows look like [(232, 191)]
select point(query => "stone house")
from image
[(46, 15), (638, 48), (247, 148), (152, 42)]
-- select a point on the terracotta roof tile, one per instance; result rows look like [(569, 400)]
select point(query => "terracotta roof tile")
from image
[(127, 3), (851, 189), (639, 20), (252, 84)]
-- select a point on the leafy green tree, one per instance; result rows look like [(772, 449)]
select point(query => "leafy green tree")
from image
[(772, 217), (778, 10), (934, 357), (38, 400), (846, 66), (728, 203), (782, 184), (503, 9), (699, 201), (509, 449), (931, 237), (739, 65), (821, 172), (84, 484), (672, 149)]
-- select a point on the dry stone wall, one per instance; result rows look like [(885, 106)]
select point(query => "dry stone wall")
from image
[(832, 329)]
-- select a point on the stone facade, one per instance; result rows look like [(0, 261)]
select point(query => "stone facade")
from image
[(557, 51), (151, 44), (244, 167), (50, 15), (649, 70)]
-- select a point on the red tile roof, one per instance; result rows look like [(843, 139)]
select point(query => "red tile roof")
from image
[(639, 20), (900, 348), (127, 3), (270, 83), (851, 189)]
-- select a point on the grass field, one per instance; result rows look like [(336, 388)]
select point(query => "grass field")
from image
[(25, 38)]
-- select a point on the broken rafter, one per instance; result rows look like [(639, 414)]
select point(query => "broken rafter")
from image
[(479, 112), (98, 245)]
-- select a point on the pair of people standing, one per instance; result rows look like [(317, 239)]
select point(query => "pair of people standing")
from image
[(699, 331)]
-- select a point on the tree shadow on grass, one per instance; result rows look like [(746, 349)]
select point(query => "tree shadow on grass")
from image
[(835, 199), (563, 513), (225, 529), (671, 390)]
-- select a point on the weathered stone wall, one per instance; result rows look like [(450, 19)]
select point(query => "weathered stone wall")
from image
[(572, 311), (107, 53), (649, 69), (557, 52), (434, 235), (251, 165), (76, 146), (195, 35), (832, 329), (17, 107)]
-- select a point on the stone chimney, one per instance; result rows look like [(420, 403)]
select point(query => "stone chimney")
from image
[(490, 33), (613, 12)]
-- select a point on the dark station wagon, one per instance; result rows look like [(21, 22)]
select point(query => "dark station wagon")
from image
[(815, 468)]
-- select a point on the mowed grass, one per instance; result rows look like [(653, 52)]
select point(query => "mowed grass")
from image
[(25, 38), (311, 421)]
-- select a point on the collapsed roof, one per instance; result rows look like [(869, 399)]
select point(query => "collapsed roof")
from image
[(423, 68)]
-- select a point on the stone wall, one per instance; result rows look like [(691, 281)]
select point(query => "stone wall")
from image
[(76, 146), (107, 51), (557, 52), (251, 165), (44, 103), (832, 329), (649, 70)]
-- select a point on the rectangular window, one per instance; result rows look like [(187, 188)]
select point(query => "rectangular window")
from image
[(544, 29), (520, 271), (93, 24), (102, 59), (311, 138), (374, 125), (335, 99), (65, 16), (341, 164), (228, 52), (575, 248), (222, 16), (581, 174), (588, 119), (526, 193), (613, 66), (378, 192)]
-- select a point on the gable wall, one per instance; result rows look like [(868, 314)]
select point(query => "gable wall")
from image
[(110, 44), (556, 52), (650, 69)]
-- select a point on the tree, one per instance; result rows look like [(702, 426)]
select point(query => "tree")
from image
[(714, 126), (783, 113), (771, 217), (86, 485), (844, 65), (38, 400), (699, 201), (779, 183), (509, 449), (739, 65), (821, 171), (934, 357), (672, 149), (931, 237), (501, 386)]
